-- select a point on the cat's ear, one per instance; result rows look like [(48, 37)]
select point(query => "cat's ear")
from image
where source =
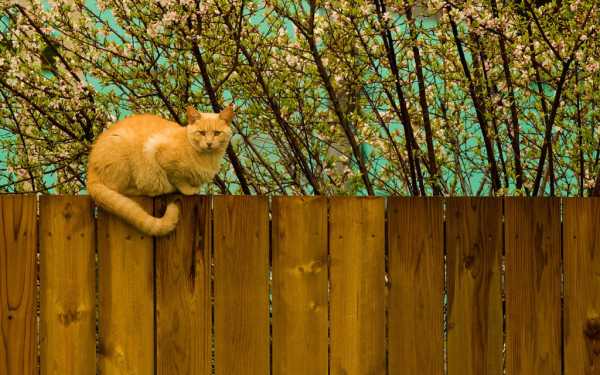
[(192, 114), (227, 113)]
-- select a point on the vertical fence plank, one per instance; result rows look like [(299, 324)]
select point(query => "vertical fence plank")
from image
[(126, 286), (183, 303), (532, 239), (416, 266), (357, 269), (299, 240), (581, 247), (241, 244), (18, 242), (67, 282), (474, 245)]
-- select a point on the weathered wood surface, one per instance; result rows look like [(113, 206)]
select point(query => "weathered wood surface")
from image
[(300, 297), (533, 306), (183, 303), (416, 266), (126, 292), (241, 243), (18, 247), (357, 277), (581, 253), (197, 300), (67, 286), (474, 246)]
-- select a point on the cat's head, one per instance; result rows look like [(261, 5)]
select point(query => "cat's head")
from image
[(208, 132)]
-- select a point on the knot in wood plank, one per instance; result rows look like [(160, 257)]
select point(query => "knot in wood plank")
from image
[(312, 267), (592, 329), (70, 316), (468, 261), (68, 212)]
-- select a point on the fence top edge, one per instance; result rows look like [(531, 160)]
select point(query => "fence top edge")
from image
[(332, 197)]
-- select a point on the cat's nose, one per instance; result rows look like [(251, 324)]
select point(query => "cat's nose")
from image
[(208, 144)]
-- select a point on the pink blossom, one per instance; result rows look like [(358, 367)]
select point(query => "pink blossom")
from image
[(593, 67), (170, 17)]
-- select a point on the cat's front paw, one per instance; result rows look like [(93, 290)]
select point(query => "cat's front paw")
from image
[(188, 190)]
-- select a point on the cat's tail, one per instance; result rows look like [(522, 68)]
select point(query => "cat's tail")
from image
[(133, 213)]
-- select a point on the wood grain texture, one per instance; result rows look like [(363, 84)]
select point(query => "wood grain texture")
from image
[(183, 301), (581, 250), (18, 246), (357, 275), (416, 266), (532, 240), (126, 292), (68, 286), (474, 251), (241, 245), (299, 248)]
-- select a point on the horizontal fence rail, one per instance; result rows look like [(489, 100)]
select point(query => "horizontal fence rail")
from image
[(302, 285)]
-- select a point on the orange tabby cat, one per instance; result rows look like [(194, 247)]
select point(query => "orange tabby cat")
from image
[(148, 155)]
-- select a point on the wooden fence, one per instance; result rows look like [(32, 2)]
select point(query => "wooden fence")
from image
[(341, 286)]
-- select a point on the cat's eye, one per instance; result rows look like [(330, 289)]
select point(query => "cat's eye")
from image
[(217, 133), (201, 132)]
